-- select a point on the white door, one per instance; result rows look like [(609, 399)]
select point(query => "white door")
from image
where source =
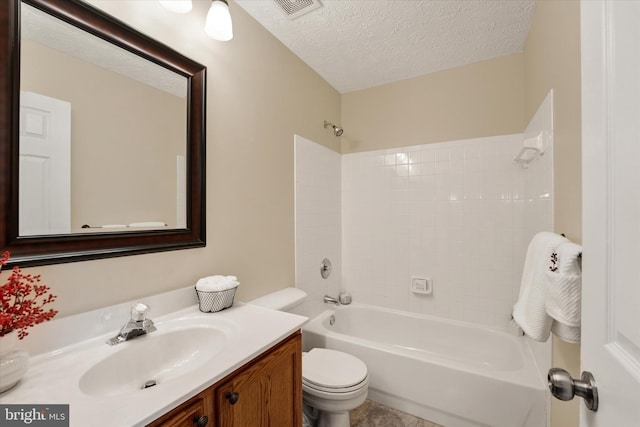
[(45, 165), (611, 209)]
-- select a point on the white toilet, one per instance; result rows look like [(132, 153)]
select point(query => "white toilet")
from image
[(333, 382)]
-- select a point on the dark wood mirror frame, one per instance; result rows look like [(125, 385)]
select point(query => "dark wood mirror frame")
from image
[(43, 250)]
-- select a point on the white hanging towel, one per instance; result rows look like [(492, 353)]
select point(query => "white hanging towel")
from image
[(529, 312), (563, 291)]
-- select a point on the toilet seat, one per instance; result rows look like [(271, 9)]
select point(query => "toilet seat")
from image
[(331, 371), (311, 388)]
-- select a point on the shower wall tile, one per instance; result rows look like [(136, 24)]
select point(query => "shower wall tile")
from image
[(318, 222), (461, 213)]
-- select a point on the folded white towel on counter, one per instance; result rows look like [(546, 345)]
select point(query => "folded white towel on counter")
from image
[(529, 312), (563, 291), (217, 283)]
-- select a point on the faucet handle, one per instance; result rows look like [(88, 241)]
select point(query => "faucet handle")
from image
[(139, 312)]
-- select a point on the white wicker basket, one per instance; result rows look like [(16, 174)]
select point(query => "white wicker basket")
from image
[(211, 302)]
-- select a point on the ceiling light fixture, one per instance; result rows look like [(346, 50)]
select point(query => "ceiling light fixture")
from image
[(218, 25), (178, 6)]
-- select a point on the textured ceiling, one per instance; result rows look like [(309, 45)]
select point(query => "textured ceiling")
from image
[(56, 34), (357, 44)]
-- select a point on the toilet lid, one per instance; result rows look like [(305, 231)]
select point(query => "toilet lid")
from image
[(332, 369)]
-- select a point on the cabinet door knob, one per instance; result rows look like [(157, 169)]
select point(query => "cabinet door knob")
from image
[(232, 397), (200, 421)]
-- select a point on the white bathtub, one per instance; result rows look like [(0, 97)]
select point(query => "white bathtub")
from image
[(453, 373)]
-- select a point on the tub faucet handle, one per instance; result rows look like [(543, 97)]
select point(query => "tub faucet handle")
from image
[(344, 298)]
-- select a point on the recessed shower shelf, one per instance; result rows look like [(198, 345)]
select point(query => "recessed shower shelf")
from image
[(534, 146)]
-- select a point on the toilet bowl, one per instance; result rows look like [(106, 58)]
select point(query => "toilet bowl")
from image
[(334, 383)]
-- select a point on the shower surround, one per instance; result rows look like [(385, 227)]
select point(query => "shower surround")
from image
[(460, 213)]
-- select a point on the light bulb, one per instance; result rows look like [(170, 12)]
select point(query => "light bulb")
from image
[(218, 25), (178, 6)]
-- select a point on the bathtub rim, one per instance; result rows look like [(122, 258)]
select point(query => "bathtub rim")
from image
[(431, 317), (528, 375)]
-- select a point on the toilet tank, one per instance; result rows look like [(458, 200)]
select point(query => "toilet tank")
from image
[(282, 300)]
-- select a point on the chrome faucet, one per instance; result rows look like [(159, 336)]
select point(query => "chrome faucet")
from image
[(136, 326), (331, 300)]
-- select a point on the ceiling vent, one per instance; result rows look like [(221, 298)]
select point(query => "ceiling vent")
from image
[(296, 8)]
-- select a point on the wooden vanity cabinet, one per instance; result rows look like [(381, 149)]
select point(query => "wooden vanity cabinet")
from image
[(196, 412), (266, 392)]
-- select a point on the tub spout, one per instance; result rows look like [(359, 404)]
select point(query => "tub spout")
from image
[(331, 300)]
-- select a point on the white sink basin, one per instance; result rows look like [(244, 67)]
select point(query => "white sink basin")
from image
[(188, 352), (153, 360)]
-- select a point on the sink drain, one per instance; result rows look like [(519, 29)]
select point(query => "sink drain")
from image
[(149, 383)]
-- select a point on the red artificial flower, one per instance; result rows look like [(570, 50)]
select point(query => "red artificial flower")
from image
[(22, 301)]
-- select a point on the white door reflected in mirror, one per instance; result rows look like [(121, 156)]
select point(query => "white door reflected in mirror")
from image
[(45, 165)]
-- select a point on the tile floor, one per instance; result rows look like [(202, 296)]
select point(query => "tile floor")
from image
[(372, 414)]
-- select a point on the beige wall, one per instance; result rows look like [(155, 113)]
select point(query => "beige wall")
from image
[(116, 123), (552, 60), (258, 96), (476, 100)]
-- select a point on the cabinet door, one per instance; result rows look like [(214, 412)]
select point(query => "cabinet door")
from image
[(265, 393), (191, 414)]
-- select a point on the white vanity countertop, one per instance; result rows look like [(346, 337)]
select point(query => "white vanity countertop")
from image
[(53, 377)]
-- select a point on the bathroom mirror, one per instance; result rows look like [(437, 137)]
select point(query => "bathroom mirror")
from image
[(129, 114)]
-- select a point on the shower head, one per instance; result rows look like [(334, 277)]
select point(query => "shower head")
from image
[(337, 131)]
